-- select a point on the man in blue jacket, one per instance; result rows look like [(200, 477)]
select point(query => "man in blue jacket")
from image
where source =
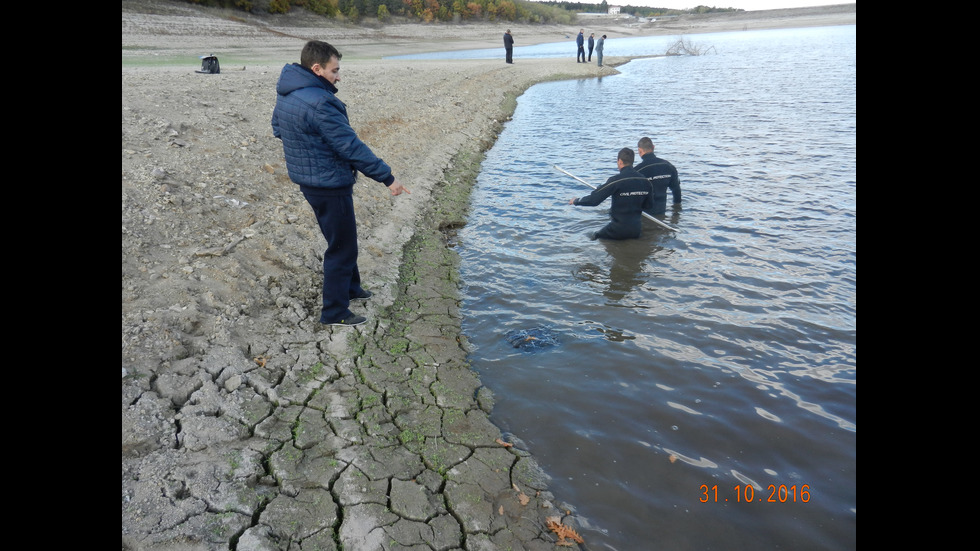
[(323, 155), (662, 175), (630, 193), (580, 42)]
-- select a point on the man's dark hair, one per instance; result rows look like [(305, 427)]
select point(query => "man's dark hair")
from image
[(645, 144), (626, 155), (317, 51)]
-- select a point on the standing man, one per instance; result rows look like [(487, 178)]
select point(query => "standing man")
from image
[(598, 49), (323, 155), (662, 175), (631, 195), (591, 45), (580, 42), (509, 46)]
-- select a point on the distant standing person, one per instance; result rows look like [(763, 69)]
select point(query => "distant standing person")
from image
[(580, 42), (662, 175), (598, 49), (631, 195), (591, 45), (509, 46), (323, 156)]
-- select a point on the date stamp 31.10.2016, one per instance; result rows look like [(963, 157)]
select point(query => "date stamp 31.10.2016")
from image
[(747, 494)]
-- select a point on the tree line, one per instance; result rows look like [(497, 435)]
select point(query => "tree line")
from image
[(428, 11)]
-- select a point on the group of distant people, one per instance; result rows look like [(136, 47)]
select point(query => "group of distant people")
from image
[(594, 44), (324, 154)]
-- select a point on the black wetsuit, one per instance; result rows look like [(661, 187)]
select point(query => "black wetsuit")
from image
[(662, 175), (631, 194)]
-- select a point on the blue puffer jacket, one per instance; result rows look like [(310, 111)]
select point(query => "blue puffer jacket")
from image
[(321, 148)]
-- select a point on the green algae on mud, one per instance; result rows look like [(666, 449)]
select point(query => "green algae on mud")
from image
[(430, 268)]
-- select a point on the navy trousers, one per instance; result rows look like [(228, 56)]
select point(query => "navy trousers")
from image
[(334, 210), (620, 230)]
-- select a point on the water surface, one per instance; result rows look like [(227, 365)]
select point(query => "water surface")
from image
[(691, 365)]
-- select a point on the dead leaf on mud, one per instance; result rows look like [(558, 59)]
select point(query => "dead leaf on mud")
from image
[(555, 525), (521, 496), (261, 360), (504, 444)]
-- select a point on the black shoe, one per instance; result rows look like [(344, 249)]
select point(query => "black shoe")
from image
[(593, 235), (349, 322), (363, 296)]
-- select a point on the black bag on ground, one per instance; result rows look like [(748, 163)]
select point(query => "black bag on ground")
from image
[(209, 65)]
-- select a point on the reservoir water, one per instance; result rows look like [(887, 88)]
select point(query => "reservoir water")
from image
[(703, 391)]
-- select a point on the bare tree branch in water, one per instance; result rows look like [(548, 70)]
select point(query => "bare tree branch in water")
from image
[(683, 46)]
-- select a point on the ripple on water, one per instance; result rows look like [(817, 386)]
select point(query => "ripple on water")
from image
[(720, 355)]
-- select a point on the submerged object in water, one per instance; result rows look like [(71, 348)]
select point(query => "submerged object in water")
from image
[(532, 339)]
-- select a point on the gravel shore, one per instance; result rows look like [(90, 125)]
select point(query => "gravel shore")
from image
[(246, 425)]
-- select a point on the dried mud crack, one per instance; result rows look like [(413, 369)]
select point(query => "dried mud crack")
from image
[(390, 447)]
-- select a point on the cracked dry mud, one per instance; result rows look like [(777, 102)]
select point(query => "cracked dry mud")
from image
[(382, 443), (247, 425)]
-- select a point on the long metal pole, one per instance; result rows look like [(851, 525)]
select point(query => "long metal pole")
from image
[(661, 222)]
